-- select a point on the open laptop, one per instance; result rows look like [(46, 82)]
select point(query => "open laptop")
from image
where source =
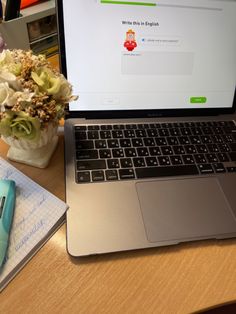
[(150, 145)]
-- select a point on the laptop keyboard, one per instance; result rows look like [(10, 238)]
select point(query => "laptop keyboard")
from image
[(137, 151)]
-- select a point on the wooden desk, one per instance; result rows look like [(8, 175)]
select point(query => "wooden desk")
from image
[(179, 279)]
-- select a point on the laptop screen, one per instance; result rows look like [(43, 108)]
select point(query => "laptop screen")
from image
[(149, 55)]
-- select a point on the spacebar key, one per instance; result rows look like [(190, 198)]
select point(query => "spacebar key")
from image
[(153, 172)]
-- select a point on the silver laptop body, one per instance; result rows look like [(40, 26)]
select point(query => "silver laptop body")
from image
[(145, 64)]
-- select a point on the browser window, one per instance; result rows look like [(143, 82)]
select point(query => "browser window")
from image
[(150, 54)]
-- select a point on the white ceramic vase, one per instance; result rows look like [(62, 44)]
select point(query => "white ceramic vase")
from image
[(33, 153)]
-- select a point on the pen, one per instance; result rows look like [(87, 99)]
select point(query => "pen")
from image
[(7, 206)]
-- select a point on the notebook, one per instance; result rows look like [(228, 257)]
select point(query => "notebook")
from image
[(150, 144), (38, 214)]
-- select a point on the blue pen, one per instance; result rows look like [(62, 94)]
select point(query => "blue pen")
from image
[(7, 206)]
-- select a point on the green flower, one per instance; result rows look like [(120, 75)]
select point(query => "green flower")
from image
[(5, 124), (20, 125), (47, 81)]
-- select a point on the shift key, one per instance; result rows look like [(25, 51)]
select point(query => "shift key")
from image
[(91, 164)]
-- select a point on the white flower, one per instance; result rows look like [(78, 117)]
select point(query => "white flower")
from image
[(23, 97), (10, 78), (5, 94), (6, 58)]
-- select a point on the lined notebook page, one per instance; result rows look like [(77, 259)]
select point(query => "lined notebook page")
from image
[(38, 213)]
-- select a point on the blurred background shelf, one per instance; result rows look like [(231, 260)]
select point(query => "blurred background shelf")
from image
[(35, 29)]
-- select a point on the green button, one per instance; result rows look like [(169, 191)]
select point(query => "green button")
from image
[(198, 100)]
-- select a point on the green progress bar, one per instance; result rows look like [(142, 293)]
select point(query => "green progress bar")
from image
[(128, 3)]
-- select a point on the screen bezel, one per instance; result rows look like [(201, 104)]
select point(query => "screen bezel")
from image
[(148, 113)]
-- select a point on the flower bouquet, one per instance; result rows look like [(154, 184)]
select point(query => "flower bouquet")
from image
[(33, 99)]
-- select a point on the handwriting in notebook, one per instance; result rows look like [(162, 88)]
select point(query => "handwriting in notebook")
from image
[(36, 215)]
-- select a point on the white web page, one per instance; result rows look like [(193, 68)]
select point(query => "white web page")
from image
[(151, 54)]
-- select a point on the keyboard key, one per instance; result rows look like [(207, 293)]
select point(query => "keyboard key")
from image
[(190, 149), (166, 150), (176, 160), (211, 158), (233, 146), (105, 153), (131, 126), (117, 134), (205, 168), (213, 148), (201, 148), (179, 150), (142, 151), (223, 148), (100, 144), (130, 152), (206, 139), (151, 161), (166, 171), (97, 175), (126, 163), (188, 159), (174, 132), (194, 139), (172, 140), (232, 156), (80, 128), (231, 169), (160, 141), (154, 151), (86, 154), (152, 132), (219, 167), (83, 177), (117, 152), (111, 175), (185, 131), (93, 127), (126, 174), (184, 140), (84, 144), (137, 142), (163, 132), (143, 126), (91, 164), (105, 134), (164, 160), (129, 133), (106, 127), (118, 126), (81, 135), (149, 141), (139, 162), (113, 163), (113, 143), (140, 133), (93, 135), (200, 158), (125, 142), (222, 157)]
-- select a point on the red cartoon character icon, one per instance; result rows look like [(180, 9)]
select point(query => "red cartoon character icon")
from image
[(130, 42)]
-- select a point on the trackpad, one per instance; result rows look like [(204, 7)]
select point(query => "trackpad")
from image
[(184, 209)]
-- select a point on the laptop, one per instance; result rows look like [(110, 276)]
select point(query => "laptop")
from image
[(150, 144)]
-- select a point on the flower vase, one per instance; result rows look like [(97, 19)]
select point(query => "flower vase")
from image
[(34, 153)]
